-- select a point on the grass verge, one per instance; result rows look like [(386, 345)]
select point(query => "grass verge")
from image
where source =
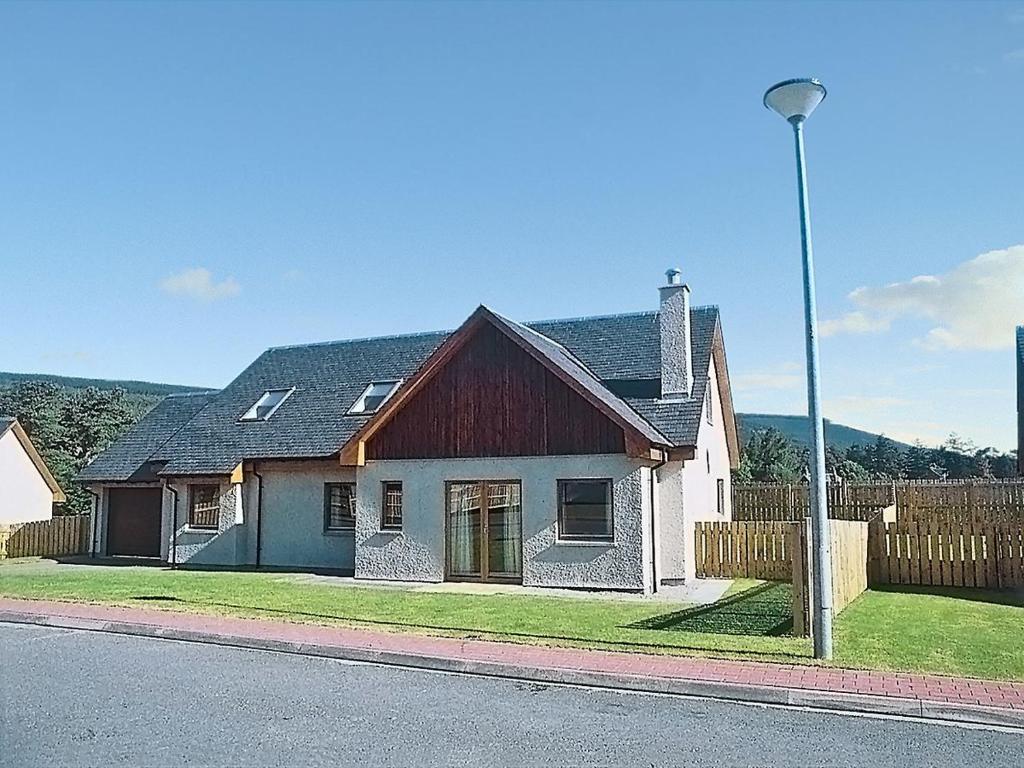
[(962, 632)]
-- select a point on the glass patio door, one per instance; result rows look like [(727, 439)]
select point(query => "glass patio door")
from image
[(484, 531)]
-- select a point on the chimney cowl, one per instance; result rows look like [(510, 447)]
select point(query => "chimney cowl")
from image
[(674, 275)]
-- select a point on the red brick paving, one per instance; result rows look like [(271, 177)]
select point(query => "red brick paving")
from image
[(1007, 695)]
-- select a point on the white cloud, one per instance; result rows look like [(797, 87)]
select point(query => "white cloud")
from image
[(1015, 55), (198, 283), (853, 322), (784, 376), (974, 306)]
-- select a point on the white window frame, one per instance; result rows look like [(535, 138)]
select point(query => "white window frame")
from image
[(359, 406), (250, 415)]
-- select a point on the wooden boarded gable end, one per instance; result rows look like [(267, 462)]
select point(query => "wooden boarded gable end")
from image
[(488, 392)]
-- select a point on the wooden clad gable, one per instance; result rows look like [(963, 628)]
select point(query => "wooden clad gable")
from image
[(492, 398)]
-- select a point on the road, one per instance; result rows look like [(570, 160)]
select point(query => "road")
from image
[(78, 698)]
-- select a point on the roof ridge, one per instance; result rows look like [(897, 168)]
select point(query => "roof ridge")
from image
[(641, 313), (360, 339), (195, 393), (527, 323)]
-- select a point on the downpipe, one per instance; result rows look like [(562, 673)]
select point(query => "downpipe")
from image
[(173, 559), (259, 512)]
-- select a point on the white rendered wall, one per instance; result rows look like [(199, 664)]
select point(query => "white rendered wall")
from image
[(700, 475), (24, 494), (417, 552)]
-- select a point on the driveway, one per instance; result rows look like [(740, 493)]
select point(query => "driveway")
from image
[(72, 697)]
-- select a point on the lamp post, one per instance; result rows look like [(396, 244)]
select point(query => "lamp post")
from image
[(795, 100)]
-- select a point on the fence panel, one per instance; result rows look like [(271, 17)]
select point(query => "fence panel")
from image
[(969, 554), (753, 550), (62, 535), (961, 501), (789, 502)]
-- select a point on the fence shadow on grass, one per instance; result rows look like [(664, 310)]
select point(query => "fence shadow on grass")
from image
[(765, 610)]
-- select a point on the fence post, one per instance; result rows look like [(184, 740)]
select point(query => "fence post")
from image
[(800, 577)]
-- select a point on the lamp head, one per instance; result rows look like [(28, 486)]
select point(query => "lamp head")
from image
[(795, 99)]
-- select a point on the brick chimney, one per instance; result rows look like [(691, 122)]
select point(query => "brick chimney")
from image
[(676, 345)]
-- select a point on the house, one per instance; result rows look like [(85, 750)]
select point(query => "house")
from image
[(1020, 400), (27, 489), (567, 453)]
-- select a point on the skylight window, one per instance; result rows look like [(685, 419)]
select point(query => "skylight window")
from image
[(373, 396), (269, 402)]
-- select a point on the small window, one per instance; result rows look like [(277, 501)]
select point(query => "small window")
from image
[(707, 457), (721, 496), (585, 510), (269, 402), (204, 506), (373, 396), (708, 404), (339, 506), (391, 506)]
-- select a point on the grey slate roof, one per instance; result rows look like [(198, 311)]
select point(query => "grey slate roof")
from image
[(6, 422), (127, 457), (328, 377)]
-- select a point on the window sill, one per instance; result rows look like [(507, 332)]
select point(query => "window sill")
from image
[(201, 531), (391, 531), (340, 532), (606, 543)]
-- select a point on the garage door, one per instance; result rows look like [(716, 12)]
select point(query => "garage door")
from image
[(133, 522)]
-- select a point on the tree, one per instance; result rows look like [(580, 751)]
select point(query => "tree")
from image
[(770, 457), (69, 427)]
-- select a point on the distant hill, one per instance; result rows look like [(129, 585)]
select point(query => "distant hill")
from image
[(72, 382), (795, 428)]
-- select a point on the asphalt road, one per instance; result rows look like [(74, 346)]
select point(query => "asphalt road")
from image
[(78, 698)]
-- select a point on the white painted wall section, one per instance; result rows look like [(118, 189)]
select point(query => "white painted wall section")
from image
[(417, 552), (24, 494)]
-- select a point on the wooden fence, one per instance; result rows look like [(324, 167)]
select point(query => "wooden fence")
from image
[(752, 550), (965, 554), (979, 501), (63, 535), (778, 551), (787, 501)]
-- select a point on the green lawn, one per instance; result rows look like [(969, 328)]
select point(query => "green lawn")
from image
[(934, 632), (947, 630)]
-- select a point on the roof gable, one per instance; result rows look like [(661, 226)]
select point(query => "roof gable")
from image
[(639, 434)]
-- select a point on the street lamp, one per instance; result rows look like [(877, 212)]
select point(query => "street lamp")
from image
[(795, 100)]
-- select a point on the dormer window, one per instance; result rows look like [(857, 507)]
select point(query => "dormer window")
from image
[(374, 396), (269, 402)]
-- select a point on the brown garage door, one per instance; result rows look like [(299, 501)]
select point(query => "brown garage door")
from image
[(133, 526)]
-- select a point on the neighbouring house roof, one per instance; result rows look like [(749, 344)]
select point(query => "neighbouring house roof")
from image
[(11, 424), (128, 457), (604, 355)]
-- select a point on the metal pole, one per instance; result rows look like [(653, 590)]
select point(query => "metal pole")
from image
[(821, 590)]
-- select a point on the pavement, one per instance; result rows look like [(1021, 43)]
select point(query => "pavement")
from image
[(894, 693), (81, 698)]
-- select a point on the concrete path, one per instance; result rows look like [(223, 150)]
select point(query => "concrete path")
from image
[(930, 696)]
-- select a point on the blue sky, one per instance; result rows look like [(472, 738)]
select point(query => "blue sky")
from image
[(185, 185)]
